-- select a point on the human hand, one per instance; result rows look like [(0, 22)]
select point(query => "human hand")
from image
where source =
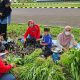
[(41, 43), (37, 39), (24, 39), (0, 14), (75, 43), (64, 49), (6, 51)]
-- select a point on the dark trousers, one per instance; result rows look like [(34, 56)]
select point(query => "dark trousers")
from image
[(3, 29), (32, 41), (47, 52)]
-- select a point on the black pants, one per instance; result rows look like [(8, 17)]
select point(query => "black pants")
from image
[(47, 52), (32, 41), (3, 29)]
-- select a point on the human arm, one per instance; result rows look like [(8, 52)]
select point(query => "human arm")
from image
[(4, 68), (26, 34), (46, 41), (58, 42), (72, 42), (38, 33)]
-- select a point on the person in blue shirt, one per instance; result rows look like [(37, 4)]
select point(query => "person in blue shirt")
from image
[(46, 43), (5, 17)]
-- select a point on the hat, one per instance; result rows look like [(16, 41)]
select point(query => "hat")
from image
[(31, 21)]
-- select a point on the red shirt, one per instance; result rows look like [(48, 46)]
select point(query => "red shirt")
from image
[(33, 32), (4, 68)]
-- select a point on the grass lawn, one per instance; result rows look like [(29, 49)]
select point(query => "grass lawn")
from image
[(50, 4)]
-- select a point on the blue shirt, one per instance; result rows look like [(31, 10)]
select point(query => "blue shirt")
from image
[(48, 39)]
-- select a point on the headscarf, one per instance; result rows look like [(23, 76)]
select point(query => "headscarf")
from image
[(64, 40), (31, 22)]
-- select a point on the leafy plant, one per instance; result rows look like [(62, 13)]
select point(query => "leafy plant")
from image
[(33, 67), (71, 60), (37, 68)]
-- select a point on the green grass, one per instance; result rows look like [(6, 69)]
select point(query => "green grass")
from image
[(19, 29), (50, 4)]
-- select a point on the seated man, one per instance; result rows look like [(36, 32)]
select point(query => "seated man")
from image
[(4, 70), (46, 43), (32, 34)]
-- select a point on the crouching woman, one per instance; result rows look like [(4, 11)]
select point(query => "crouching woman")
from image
[(66, 39)]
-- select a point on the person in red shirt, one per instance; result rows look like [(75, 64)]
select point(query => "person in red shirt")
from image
[(32, 34), (4, 70)]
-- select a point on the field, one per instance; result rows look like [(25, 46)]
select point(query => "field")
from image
[(19, 30), (46, 5), (32, 67)]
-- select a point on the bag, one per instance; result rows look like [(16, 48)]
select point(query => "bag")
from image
[(55, 57)]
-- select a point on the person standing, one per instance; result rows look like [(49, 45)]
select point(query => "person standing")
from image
[(5, 17)]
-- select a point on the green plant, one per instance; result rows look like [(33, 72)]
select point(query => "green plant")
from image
[(11, 58), (71, 60), (32, 67), (37, 68)]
